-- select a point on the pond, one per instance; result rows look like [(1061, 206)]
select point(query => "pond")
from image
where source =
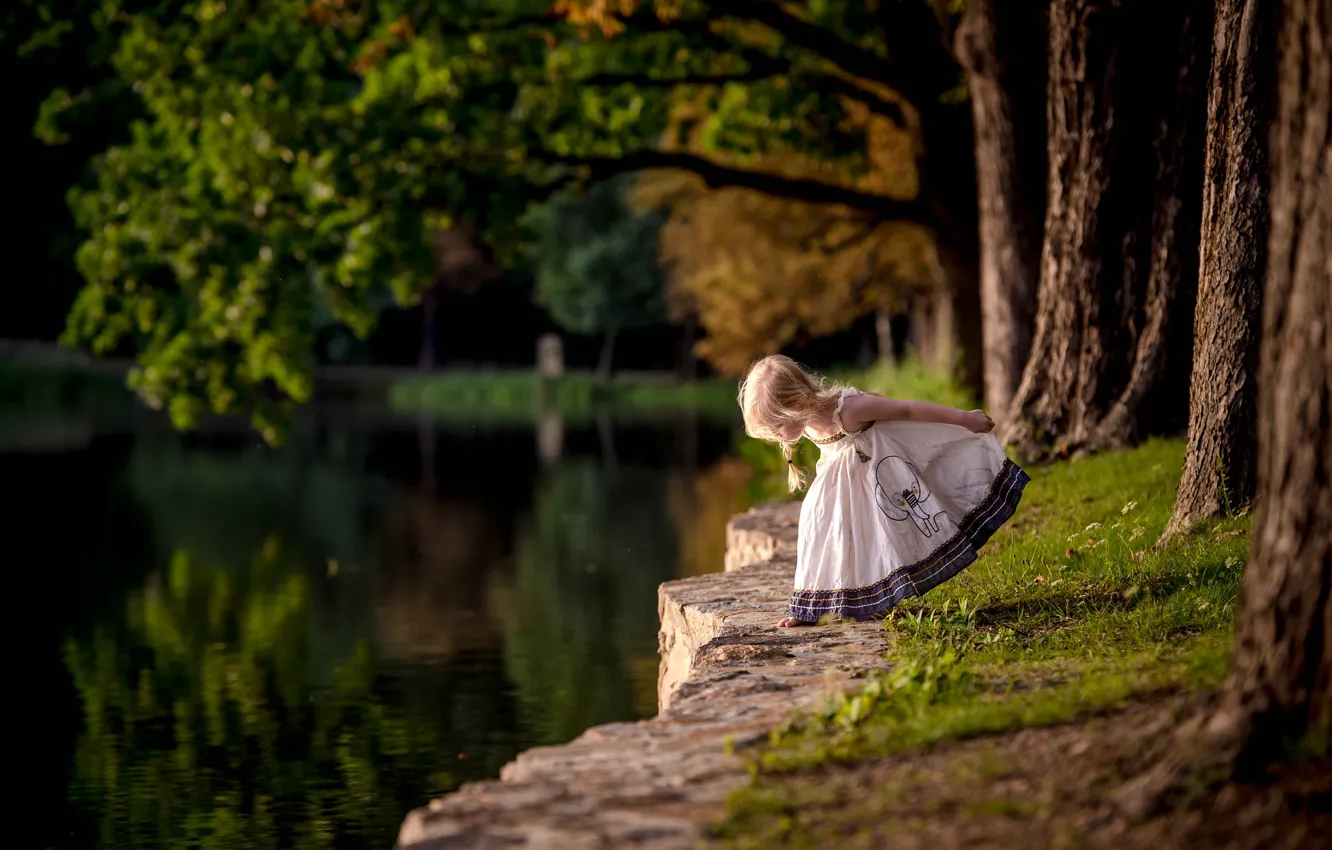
[(240, 647)]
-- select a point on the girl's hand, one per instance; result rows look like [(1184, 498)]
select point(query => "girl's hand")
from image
[(977, 422)]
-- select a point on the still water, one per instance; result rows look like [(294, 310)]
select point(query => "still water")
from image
[(255, 648)]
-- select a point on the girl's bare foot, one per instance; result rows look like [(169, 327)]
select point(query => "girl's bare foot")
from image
[(788, 622)]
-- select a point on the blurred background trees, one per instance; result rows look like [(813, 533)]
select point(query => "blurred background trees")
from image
[(245, 177)]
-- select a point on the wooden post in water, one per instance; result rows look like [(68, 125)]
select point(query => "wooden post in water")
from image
[(550, 356), (550, 422)]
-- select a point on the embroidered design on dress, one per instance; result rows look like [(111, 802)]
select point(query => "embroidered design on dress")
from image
[(902, 495)]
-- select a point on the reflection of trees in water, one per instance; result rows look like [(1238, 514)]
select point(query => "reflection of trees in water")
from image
[(243, 706), (203, 726), (581, 613), (430, 599), (701, 504), (226, 503), (222, 505)]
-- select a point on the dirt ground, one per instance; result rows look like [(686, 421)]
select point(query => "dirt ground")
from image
[(1045, 788)]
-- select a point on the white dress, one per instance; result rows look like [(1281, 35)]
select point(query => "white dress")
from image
[(895, 510)]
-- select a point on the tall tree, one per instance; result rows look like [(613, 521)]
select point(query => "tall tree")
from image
[(1279, 691), (1220, 472), (1003, 47), (1119, 264), (461, 265), (293, 155), (1280, 686), (924, 70), (762, 273), (597, 268)]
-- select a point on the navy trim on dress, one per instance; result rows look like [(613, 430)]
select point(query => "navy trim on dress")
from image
[(946, 561)]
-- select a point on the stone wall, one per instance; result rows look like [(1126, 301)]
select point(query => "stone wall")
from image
[(728, 674), (756, 536)]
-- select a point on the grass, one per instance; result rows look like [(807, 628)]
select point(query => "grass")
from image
[(523, 395), (909, 379), (1072, 610)]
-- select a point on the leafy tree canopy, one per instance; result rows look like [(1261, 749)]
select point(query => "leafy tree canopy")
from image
[(295, 157), (597, 265)]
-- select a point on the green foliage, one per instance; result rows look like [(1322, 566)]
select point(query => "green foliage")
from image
[(910, 379), (291, 159), (1070, 611), (596, 261), (217, 234)]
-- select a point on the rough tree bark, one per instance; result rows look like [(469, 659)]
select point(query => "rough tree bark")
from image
[(1002, 47), (1280, 685), (1126, 109), (916, 40), (1220, 472), (947, 169)]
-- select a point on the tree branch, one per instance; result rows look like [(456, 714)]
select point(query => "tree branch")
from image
[(752, 75), (854, 60), (497, 25), (763, 65), (718, 176), (879, 105), (764, 69)]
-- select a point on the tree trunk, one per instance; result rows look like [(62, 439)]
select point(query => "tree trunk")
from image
[(934, 332), (883, 336), (425, 360), (947, 169), (1109, 364), (1280, 686), (948, 177), (1003, 51), (606, 364), (1220, 472), (688, 368)]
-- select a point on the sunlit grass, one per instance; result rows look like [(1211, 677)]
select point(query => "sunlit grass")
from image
[(909, 379), (1071, 610), (523, 395)]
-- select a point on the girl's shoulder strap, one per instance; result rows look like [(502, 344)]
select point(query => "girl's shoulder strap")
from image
[(841, 399)]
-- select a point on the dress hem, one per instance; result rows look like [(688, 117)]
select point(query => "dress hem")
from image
[(954, 556)]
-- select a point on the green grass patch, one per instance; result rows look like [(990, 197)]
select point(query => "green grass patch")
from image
[(911, 380), (1071, 610), (522, 395)]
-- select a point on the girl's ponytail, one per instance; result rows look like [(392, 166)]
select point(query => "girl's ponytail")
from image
[(795, 476)]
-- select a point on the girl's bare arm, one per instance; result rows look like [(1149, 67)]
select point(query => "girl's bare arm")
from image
[(860, 410)]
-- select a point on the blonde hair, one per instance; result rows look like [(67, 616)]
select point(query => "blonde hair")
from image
[(777, 393)]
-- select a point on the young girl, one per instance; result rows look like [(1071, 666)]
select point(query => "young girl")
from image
[(904, 494)]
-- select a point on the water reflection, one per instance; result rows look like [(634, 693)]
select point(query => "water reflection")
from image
[(292, 648)]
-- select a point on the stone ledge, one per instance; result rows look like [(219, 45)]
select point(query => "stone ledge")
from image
[(755, 536), (727, 673)]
